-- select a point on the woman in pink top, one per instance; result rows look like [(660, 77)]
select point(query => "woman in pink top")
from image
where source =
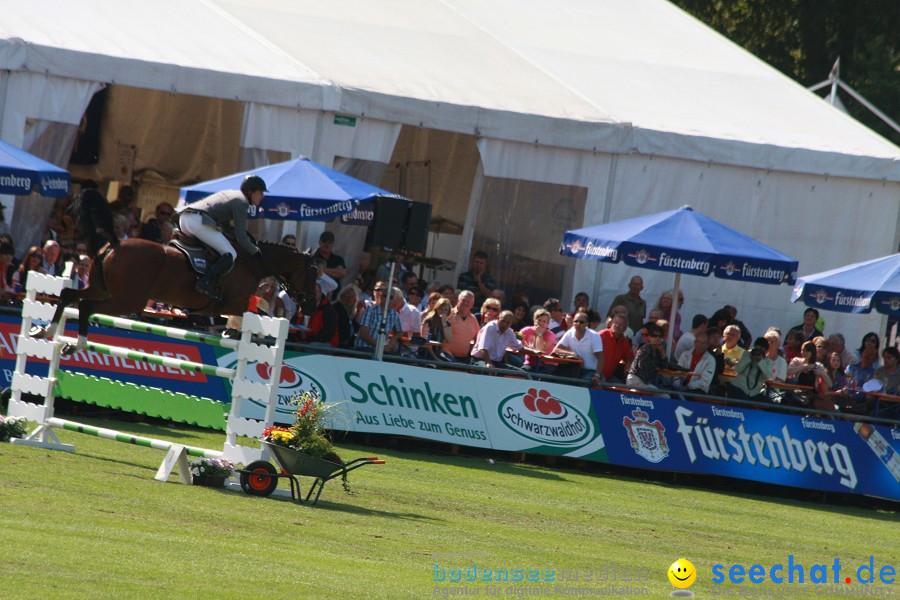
[(539, 338)]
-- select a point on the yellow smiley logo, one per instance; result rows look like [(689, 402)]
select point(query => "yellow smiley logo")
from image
[(682, 573)]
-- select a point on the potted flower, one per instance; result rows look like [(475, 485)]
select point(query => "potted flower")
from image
[(12, 427), (211, 472), (308, 434)]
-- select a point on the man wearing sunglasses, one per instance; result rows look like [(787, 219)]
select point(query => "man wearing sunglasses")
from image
[(587, 345), (152, 229)]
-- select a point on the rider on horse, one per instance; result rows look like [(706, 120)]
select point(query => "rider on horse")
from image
[(205, 219)]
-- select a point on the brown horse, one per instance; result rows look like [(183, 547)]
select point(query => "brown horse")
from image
[(127, 274)]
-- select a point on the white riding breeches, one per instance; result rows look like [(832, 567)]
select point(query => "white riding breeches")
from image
[(192, 223)]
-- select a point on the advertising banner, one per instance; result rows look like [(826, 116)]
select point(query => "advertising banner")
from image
[(120, 369), (805, 452), (457, 408)]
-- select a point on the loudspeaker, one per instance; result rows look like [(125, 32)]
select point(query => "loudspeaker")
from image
[(400, 225)]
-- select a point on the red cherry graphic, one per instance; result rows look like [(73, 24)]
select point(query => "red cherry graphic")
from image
[(529, 399), (555, 406), (288, 375), (543, 406), (263, 370)]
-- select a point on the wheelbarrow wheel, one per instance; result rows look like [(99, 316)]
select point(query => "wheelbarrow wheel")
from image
[(258, 482)]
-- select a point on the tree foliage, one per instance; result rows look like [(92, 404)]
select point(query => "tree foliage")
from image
[(803, 38)]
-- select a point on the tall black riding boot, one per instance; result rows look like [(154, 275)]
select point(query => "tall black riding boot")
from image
[(207, 283)]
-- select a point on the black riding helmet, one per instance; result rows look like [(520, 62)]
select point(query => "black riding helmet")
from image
[(253, 183)]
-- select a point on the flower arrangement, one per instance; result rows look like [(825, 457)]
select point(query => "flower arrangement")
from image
[(12, 427), (212, 467), (307, 434)]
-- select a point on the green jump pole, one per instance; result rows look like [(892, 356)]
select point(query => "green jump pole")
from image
[(118, 436)]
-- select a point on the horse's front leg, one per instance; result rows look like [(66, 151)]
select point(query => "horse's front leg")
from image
[(65, 299)]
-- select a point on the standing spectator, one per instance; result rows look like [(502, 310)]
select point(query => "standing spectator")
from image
[(821, 348), (587, 345), (808, 326), (464, 327), (666, 304), (334, 264), (125, 202), (617, 351), (7, 256), (323, 322), (649, 358), (345, 312), (410, 318), (492, 341), (50, 262), (152, 229), (686, 341), (633, 303), (870, 340), (448, 292), (290, 240), (408, 280), (476, 279), (372, 318), (33, 261), (520, 311), (698, 360)]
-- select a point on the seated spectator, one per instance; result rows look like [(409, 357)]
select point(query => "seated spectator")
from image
[(746, 338), (655, 317), (83, 271), (870, 340), (731, 349), (490, 311), (322, 323), (835, 369), (617, 351), (686, 341), (620, 309), (345, 313), (476, 279), (852, 399), (373, 317), (805, 370), (33, 261), (464, 326), (808, 326), (557, 317), (700, 361), (291, 241), (7, 255), (889, 372), (50, 262), (410, 319), (433, 298), (493, 340), (539, 338), (265, 300), (751, 371), (415, 298), (152, 229), (586, 345), (594, 319), (792, 344), (836, 343), (520, 312), (436, 323), (649, 358), (714, 340), (581, 301), (779, 365)]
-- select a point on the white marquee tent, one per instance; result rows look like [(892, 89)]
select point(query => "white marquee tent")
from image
[(577, 112)]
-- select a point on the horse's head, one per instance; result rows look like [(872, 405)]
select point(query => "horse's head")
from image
[(296, 270)]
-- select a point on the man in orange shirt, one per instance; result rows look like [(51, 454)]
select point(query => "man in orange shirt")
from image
[(463, 326)]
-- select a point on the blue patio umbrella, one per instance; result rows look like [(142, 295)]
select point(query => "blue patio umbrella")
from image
[(681, 241), (856, 288), (22, 173), (299, 190)]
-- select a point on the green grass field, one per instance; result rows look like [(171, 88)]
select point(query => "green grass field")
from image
[(95, 524)]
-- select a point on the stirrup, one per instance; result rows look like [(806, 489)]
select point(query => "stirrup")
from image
[(206, 288)]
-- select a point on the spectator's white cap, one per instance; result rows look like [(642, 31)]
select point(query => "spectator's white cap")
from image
[(326, 284)]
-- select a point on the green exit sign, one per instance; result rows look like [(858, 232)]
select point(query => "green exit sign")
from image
[(345, 120)]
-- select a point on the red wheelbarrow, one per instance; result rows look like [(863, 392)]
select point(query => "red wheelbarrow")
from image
[(260, 478)]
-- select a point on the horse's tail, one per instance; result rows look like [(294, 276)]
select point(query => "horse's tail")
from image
[(96, 220)]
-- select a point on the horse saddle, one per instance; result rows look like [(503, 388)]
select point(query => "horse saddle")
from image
[(198, 255)]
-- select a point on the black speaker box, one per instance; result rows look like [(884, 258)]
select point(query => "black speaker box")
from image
[(401, 225)]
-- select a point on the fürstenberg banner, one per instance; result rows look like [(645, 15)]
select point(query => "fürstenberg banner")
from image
[(456, 408)]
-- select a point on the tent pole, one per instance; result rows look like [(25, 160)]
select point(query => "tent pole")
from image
[(671, 317)]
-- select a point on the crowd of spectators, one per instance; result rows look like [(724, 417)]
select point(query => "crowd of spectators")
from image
[(472, 322)]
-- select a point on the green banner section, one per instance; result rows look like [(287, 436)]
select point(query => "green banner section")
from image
[(152, 402)]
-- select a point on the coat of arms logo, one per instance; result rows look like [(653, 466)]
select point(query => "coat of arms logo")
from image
[(648, 440)]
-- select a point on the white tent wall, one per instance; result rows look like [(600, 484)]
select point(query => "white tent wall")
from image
[(39, 113), (821, 221)]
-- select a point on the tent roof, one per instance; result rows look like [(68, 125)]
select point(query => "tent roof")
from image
[(611, 75)]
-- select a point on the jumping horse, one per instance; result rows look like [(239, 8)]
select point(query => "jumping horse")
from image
[(125, 274)]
